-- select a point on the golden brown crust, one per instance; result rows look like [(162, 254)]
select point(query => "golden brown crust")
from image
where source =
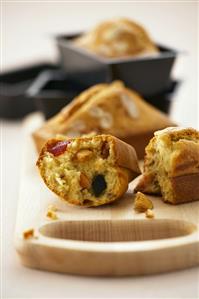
[(117, 38), (125, 155), (185, 188), (178, 133), (187, 159)]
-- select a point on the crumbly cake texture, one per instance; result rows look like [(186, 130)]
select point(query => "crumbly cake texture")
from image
[(117, 38), (149, 214), (51, 215), (89, 171), (171, 165), (106, 109), (29, 234), (142, 203)]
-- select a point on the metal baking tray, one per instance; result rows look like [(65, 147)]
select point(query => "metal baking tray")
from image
[(148, 75), (14, 103), (52, 90)]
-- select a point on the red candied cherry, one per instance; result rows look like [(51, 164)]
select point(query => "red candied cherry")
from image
[(58, 148)]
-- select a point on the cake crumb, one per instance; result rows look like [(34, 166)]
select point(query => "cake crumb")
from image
[(149, 214), (142, 203), (52, 215), (52, 208), (28, 234)]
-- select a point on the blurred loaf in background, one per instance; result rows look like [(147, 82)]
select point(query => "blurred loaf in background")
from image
[(106, 109), (117, 38)]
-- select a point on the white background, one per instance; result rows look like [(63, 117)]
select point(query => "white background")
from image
[(27, 29)]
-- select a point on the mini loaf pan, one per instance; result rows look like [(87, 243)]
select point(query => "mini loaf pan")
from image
[(148, 75), (14, 103), (53, 90)]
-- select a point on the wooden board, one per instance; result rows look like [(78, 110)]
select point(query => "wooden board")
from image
[(108, 240)]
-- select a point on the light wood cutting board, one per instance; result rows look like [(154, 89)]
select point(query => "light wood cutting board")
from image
[(109, 240)]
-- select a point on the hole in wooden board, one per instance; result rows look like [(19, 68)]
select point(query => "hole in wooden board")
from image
[(117, 230)]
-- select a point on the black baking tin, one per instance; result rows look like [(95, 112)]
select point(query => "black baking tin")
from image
[(163, 101), (147, 75), (13, 86), (53, 90)]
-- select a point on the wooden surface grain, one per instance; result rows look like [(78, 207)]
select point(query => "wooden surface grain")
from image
[(109, 240)]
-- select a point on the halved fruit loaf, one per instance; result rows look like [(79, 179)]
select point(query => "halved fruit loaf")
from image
[(118, 37), (88, 171), (171, 166)]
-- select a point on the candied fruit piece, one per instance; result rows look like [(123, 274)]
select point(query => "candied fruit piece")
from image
[(58, 147), (98, 185)]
